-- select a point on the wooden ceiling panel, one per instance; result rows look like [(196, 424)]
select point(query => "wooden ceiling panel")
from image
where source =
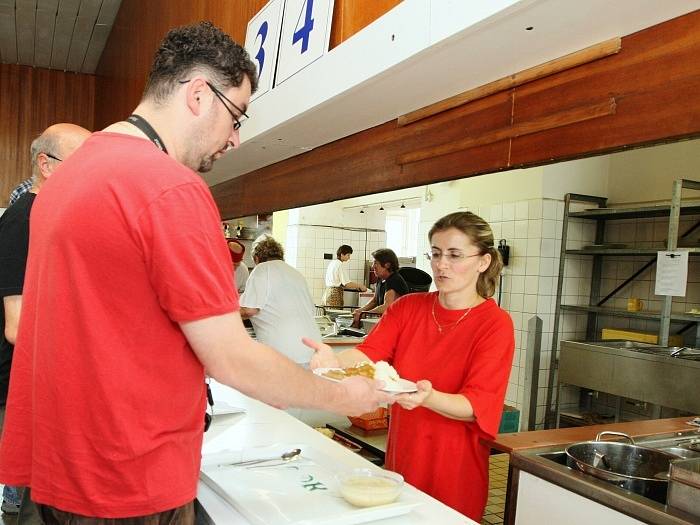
[(61, 40), (8, 37), (100, 34), (82, 32), (25, 24), (55, 34), (45, 25)]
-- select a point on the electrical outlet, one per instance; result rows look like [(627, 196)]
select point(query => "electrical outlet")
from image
[(328, 256)]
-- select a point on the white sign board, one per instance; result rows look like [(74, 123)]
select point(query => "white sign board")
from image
[(671, 273), (306, 31), (262, 41)]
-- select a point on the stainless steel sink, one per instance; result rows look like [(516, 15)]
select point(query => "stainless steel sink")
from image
[(630, 345), (682, 452)]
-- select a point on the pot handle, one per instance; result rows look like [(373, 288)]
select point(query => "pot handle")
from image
[(618, 434)]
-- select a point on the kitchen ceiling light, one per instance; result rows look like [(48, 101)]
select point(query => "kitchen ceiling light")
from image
[(403, 205), (361, 210), (381, 208)]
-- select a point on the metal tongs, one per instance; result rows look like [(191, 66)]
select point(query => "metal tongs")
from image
[(291, 455)]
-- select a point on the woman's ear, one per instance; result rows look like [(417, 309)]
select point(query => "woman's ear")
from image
[(484, 262)]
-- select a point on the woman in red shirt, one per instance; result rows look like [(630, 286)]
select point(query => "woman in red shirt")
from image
[(457, 344)]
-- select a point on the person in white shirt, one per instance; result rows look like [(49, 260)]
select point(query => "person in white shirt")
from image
[(337, 278), (278, 303), (240, 270)]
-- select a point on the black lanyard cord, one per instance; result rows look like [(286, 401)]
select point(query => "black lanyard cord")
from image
[(142, 124)]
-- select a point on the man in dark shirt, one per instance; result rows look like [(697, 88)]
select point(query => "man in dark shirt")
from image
[(390, 287), (47, 152)]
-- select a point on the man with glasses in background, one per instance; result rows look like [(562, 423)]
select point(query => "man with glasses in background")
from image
[(47, 151), (130, 300)]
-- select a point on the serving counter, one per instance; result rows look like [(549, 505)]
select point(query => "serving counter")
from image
[(263, 426), (541, 484)]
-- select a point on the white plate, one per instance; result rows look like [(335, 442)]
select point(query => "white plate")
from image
[(402, 386), (301, 492)]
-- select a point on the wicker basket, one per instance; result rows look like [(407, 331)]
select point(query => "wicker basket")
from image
[(375, 420)]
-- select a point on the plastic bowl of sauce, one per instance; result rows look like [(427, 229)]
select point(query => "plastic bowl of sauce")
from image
[(365, 487)]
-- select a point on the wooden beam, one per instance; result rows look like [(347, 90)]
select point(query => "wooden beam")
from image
[(584, 56), (555, 120), (654, 83)]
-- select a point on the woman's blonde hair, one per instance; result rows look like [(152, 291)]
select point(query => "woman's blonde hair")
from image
[(481, 236)]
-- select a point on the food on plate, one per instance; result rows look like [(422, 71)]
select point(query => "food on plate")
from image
[(325, 431), (379, 370), (385, 372), (366, 488)]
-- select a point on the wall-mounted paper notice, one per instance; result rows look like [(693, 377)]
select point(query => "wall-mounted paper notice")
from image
[(671, 273)]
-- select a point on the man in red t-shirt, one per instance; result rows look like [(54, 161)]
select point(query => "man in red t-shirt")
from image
[(129, 300)]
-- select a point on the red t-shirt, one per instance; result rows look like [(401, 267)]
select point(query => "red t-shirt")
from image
[(106, 405), (441, 456)]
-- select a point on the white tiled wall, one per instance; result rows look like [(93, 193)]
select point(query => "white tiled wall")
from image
[(306, 245), (533, 229)]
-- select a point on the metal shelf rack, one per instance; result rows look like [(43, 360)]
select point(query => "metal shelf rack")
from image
[(601, 215)]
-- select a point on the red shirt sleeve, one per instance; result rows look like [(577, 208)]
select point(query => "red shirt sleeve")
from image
[(487, 378), (381, 342), (186, 254)]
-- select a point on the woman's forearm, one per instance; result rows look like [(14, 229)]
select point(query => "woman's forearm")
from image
[(453, 406)]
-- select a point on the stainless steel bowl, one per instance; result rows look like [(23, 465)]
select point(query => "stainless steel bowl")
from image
[(627, 465)]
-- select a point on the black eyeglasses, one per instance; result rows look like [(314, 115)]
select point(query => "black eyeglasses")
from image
[(54, 157), (237, 122)]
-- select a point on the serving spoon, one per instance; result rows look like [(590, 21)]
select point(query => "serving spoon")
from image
[(286, 456)]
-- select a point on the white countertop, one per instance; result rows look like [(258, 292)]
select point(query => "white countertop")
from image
[(263, 425)]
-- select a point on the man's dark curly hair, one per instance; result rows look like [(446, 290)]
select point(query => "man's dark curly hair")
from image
[(203, 47)]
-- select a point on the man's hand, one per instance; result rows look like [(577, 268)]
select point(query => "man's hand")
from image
[(323, 357), (361, 395), (356, 318)]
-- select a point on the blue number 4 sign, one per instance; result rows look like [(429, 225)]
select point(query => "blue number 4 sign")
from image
[(302, 33)]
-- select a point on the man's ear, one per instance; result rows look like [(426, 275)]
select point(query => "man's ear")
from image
[(195, 90), (44, 164)]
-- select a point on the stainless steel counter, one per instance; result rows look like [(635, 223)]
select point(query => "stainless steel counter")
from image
[(634, 370), (549, 463)]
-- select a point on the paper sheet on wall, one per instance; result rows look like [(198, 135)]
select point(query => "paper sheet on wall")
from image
[(671, 273)]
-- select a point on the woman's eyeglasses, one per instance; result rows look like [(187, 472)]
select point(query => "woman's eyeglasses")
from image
[(451, 257)]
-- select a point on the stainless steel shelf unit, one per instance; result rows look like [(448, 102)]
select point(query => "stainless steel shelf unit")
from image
[(601, 215)]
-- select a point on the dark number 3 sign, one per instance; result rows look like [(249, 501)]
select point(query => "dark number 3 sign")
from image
[(292, 33)]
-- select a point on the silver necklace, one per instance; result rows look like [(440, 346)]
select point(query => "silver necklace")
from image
[(448, 326)]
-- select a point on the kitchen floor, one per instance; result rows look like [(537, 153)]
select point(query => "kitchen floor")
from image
[(498, 482)]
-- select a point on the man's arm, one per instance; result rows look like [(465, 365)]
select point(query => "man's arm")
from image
[(13, 306), (352, 285), (247, 313), (357, 314), (231, 357), (389, 297)]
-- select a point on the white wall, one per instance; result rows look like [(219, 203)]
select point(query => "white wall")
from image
[(585, 176), (646, 175)]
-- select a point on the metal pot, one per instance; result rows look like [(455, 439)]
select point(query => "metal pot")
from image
[(629, 466)]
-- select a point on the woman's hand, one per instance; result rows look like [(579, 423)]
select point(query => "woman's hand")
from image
[(323, 357), (411, 401)]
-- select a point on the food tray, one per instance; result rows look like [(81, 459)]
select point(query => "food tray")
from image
[(299, 492)]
